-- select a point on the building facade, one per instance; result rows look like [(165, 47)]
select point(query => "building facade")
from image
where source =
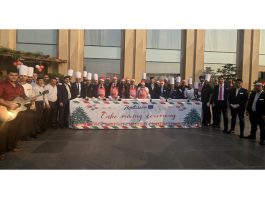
[(131, 52)]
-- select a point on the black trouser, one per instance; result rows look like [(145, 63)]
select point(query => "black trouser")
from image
[(27, 127), (240, 112), (51, 115), (39, 117), (3, 137), (64, 115), (256, 120), (221, 107), (206, 114)]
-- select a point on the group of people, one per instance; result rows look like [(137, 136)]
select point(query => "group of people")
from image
[(49, 99), (219, 98)]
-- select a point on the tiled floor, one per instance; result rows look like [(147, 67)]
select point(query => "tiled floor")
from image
[(203, 148)]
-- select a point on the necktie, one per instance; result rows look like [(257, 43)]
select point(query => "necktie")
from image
[(78, 88)]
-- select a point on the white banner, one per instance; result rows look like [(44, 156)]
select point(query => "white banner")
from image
[(132, 114)]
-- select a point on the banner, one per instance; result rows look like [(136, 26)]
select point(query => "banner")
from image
[(133, 114)]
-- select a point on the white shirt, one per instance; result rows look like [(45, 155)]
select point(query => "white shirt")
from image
[(68, 90), (28, 89), (78, 85), (237, 90), (37, 90), (255, 100), (52, 95), (219, 95), (189, 93)]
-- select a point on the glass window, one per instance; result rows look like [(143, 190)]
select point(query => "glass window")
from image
[(262, 48), (163, 52), (220, 48), (38, 41), (102, 51)]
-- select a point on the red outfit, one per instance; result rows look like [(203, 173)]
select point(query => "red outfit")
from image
[(133, 91), (143, 93), (101, 92), (114, 91), (8, 92)]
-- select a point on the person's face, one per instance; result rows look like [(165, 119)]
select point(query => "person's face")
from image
[(57, 80), (190, 86), (12, 77), (101, 82), (152, 81), (127, 81), (78, 80), (115, 81), (162, 84), (258, 88), (23, 78), (142, 85), (53, 82), (132, 82), (66, 80), (201, 80), (183, 83), (40, 82), (123, 82), (29, 80), (238, 84), (35, 76), (88, 82), (221, 81), (206, 82), (46, 78)]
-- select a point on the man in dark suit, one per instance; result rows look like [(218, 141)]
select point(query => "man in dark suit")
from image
[(153, 88), (238, 98), (77, 86), (206, 95), (163, 91), (220, 101), (256, 112), (64, 96)]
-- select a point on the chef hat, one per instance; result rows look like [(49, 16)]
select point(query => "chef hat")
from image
[(133, 80), (70, 72), (89, 76), (178, 79), (190, 81), (30, 71), (101, 78), (23, 70), (78, 74), (85, 74), (123, 79), (196, 85), (144, 76), (208, 77), (172, 81), (95, 76), (258, 84)]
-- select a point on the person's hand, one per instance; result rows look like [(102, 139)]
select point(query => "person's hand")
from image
[(13, 106), (232, 105), (236, 106), (213, 104), (246, 113), (61, 104), (208, 104), (48, 106)]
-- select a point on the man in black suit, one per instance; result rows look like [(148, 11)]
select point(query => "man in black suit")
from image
[(220, 101), (163, 91), (206, 95), (153, 88), (238, 98), (64, 96), (256, 112), (77, 86)]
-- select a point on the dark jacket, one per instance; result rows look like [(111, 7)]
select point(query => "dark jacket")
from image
[(260, 105), (241, 98), (163, 93), (89, 91), (216, 94), (153, 92), (206, 92), (75, 89), (62, 93)]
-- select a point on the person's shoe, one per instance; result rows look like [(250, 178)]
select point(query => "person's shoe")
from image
[(231, 131), (17, 150), (241, 136), (251, 137), (262, 142), (226, 131), (2, 157)]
